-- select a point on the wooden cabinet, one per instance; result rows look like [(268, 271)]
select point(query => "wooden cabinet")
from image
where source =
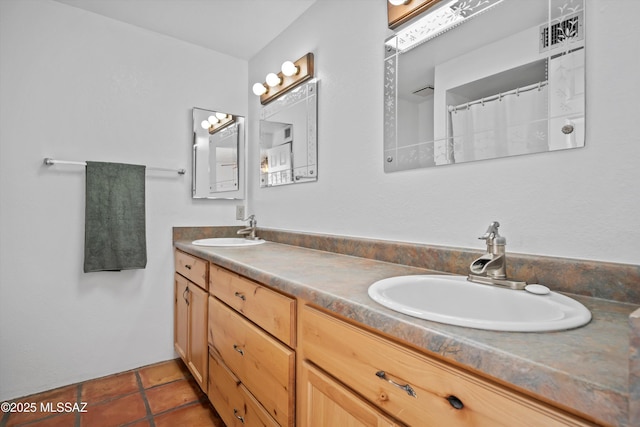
[(409, 386), (254, 350), (190, 316), (325, 402), (251, 338)]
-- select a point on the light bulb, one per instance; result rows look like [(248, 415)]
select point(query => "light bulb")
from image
[(213, 120), (289, 68), (205, 124), (272, 79), (221, 116), (259, 89), (399, 2)]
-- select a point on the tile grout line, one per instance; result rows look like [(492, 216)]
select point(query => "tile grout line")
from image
[(181, 406), (78, 421), (144, 399)]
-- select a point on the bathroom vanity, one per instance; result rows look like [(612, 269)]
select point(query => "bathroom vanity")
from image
[(294, 339)]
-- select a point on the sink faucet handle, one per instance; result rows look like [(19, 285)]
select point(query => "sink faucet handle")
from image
[(492, 232), (252, 220), (492, 237)]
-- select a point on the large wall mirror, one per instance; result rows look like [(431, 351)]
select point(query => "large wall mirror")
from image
[(475, 80), (218, 150), (288, 137)]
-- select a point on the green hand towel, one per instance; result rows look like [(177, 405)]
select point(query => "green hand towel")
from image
[(115, 235)]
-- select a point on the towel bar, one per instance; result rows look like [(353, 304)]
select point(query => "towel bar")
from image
[(49, 161)]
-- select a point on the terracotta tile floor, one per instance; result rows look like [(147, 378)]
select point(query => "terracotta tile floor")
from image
[(160, 395)]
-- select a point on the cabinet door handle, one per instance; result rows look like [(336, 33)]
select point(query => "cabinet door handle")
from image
[(241, 296), (238, 349), (455, 402), (186, 291), (187, 266), (410, 391), (235, 414)]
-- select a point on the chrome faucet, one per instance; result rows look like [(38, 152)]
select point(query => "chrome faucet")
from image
[(491, 268), (250, 232)]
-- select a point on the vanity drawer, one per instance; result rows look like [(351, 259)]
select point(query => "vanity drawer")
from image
[(412, 387), (264, 365), (193, 268), (232, 400), (273, 312)]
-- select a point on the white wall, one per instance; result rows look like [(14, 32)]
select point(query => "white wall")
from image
[(78, 86), (580, 203)]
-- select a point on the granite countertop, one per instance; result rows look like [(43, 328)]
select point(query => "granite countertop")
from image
[(585, 370)]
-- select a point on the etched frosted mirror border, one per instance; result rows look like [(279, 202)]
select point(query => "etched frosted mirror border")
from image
[(296, 95), (228, 131), (390, 106), (442, 20), (312, 133)]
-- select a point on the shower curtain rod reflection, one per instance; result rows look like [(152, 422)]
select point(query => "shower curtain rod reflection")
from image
[(466, 105), (49, 161)]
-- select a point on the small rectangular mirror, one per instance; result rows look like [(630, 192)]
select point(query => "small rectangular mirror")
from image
[(218, 146), (288, 134)]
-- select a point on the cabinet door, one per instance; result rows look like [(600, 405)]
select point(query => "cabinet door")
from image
[(327, 403), (181, 316), (198, 354)]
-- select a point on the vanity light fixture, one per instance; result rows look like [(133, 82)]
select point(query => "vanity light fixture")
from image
[(289, 69), (273, 80), (291, 75), (399, 11), (259, 89), (216, 122)]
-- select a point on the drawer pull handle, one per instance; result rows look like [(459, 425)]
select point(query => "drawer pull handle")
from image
[(235, 414), (186, 291), (239, 295), (238, 349), (455, 402), (410, 391), (187, 266)]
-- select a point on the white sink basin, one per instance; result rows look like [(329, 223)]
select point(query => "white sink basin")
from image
[(227, 241), (456, 301)]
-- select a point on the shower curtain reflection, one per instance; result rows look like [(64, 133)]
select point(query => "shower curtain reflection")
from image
[(505, 125)]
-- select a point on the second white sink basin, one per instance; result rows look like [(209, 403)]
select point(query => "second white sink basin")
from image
[(456, 301), (227, 241)]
